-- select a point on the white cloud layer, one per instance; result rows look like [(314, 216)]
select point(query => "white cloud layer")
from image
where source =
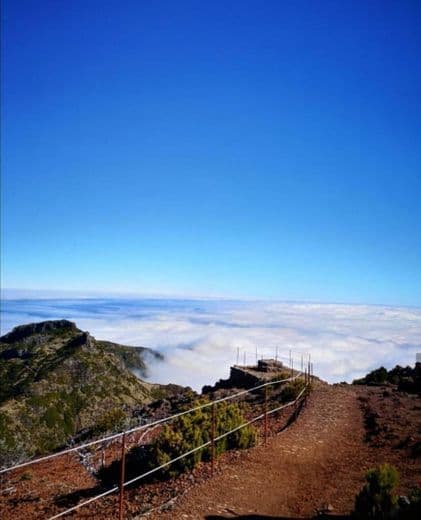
[(200, 337)]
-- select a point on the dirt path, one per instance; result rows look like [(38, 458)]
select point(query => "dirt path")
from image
[(320, 459)]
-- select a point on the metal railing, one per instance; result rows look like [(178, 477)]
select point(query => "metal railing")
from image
[(244, 355), (307, 375)]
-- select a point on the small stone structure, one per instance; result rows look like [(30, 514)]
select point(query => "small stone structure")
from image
[(269, 365), (249, 376)]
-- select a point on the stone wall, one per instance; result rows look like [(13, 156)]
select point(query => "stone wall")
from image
[(249, 376)]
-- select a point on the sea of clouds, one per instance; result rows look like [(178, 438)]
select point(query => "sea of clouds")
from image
[(200, 338)]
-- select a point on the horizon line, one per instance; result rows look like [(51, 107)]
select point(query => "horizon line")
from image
[(65, 294)]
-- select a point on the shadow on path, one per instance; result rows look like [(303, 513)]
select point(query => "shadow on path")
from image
[(68, 500), (266, 517)]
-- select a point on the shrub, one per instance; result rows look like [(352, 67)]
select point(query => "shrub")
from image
[(406, 378), (376, 377), (291, 390), (376, 500), (182, 435), (194, 429), (112, 421)]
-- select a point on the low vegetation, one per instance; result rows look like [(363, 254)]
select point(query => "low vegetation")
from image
[(407, 379), (58, 382), (378, 499), (182, 435), (291, 390), (187, 432)]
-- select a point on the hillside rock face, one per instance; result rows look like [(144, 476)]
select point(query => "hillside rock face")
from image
[(44, 328), (58, 381)]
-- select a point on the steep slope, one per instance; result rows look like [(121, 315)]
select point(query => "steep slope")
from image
[(58, 381)]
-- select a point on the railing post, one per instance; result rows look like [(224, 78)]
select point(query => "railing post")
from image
[(266, 414), (102, 457), (122, 477), (213, 435)]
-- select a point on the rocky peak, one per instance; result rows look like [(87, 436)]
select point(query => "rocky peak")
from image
[(43, 328)]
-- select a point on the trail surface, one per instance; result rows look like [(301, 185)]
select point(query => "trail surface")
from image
[(320, 459)]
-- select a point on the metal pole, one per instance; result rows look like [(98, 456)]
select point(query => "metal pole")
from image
[(238, 355), (266, 414), (302, 363), (256, 356), (292, 367), (122, 477), (213, 435), (244, 357)]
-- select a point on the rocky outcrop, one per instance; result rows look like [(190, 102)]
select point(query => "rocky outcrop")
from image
[(44, 328), (57, 381)]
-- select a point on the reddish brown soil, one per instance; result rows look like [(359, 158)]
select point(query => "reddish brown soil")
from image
[(29, 492), (320, 459), (393, 429)]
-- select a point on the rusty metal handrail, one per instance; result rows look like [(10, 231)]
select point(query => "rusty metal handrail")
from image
[(190, 452), (144, 426)]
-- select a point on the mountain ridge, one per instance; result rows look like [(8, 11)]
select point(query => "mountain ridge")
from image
[(59, 381)]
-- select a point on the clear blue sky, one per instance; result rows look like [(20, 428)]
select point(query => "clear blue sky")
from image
[(240, 148)]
